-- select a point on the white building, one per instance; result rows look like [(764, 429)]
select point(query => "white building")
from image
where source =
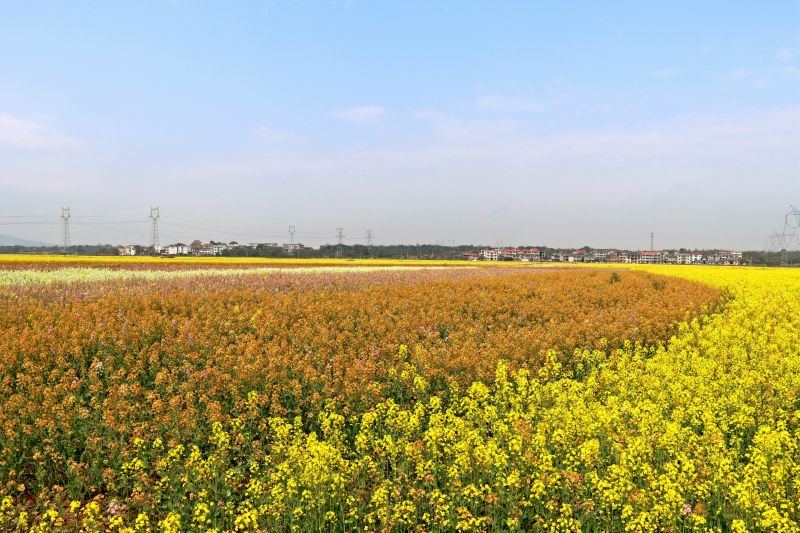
[(581, 256), (127, 250), (531, 254), (689, 258), (291, 248), (491, 254), (650, 258), (511, 253), (726, 257), (178, 249)]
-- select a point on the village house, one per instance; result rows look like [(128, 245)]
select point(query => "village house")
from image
[(291, 248), (650, 257), (178, 249), (533, 255), (726, 257), (491, 254), (127, 250), (581, 256)]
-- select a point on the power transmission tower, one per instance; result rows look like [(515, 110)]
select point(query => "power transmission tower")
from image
[(154, 216), (791, 225), (339, 238), (65, 216), (369, 242), (291, 241), (781, 242), (789, 238), (792, 218), (651, 241)]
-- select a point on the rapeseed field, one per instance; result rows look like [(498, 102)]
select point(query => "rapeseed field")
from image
[(429, 400)]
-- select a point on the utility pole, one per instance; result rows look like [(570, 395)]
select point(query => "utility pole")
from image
[(65, 216), (369, 242), (154, 216), (339, 238)]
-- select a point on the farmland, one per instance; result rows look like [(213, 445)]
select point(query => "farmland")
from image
[(245, 396)]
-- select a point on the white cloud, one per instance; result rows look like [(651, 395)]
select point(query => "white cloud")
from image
[(358, 115), (271, 136), (32, 134), (786, 54), (494, 102)]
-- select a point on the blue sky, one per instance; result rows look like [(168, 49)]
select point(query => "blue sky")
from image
[(568, 124)]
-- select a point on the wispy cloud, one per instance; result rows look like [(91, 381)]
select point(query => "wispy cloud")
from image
[(456, 128), (27, 133), (494, 102), (711, 159), (272, 136), (738, 74), (786, 54), (358, 115), (766, 77), (666, 72)]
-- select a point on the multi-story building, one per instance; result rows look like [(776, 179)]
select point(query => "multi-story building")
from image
[(511, 253), (581, 256), (292, 248), (178, 249), (491, 254), (689, 258), (726, 257), (533, 255), (127, 250), (650, 257)]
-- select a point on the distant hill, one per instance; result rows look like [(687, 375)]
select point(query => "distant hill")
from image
[(9, 240)]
